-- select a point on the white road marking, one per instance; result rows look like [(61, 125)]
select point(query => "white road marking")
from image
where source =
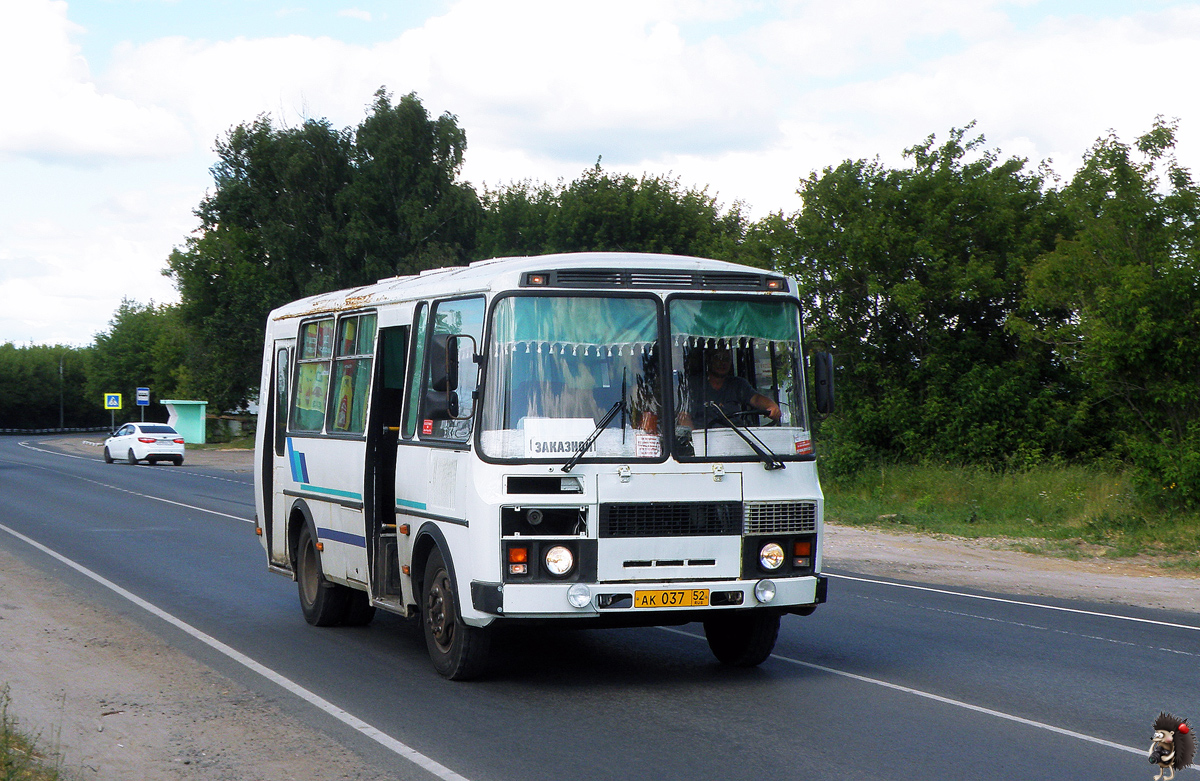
[(347, 718), (993, 619), (944, 700), (164, 501), (1077, 611), (136, 493), (174, 470)]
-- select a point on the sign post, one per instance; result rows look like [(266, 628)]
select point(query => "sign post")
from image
[(143, 400), (112, 403)]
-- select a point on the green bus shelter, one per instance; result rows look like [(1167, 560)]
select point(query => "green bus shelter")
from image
[(187, 417)]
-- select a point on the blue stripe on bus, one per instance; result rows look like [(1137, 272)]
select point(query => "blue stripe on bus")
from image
[(316, 489), (337, 536), (411, 504), (297, 462)]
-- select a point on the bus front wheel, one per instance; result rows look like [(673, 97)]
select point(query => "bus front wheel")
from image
[(459, 651), (742, 639), (323, 603)]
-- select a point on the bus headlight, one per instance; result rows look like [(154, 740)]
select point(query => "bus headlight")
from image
[(764, 591), (771, 556), (559, 560), (579, 595)]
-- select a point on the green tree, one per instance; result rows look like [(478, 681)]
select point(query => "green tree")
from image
[(41, 385), (299, 211), (142, 347), (909, 276), (600, 211), (406, 210), (1129, 281)]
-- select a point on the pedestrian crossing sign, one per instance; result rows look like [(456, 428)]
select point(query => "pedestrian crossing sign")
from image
[(112, 401)]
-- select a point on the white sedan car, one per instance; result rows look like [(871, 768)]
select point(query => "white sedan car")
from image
[(151, 442)]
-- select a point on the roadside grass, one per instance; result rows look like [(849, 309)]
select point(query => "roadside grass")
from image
[(1068, 511), (20, 757), (244, 442)]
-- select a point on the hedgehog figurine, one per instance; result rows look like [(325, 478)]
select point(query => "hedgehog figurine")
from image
[(1174, 746)]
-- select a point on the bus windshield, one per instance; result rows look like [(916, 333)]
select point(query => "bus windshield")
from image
[(736, 363), (557, 364)]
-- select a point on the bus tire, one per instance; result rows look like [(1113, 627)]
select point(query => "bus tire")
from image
[(458, 651), (108, 459), (742, 639), (359, 610), (323, 603)]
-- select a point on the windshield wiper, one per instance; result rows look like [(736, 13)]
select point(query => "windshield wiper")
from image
[(769, 459), (587, 443)]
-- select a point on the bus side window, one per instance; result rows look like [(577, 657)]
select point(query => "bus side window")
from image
[(462, 316), (352, 374), (414, 376), (312, 376), (282, 375)]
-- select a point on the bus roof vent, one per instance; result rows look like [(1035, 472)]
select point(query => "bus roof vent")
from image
[(663, 279)]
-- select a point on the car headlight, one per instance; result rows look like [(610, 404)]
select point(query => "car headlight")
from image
[(771, 556), (559, 560)]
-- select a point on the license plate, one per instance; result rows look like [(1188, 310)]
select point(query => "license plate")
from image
[(687, 597)]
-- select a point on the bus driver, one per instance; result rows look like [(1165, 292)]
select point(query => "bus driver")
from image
[(732, 394)]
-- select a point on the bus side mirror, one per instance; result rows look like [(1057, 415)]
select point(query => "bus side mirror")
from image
[(443, 363), (441, 399), (823, 378)]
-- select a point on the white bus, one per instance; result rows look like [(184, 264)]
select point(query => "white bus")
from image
[(601, 439)]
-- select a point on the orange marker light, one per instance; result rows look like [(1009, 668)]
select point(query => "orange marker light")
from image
[(518, 555), (802, 548)]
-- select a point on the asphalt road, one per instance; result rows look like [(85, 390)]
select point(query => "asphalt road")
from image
[(883, 682)]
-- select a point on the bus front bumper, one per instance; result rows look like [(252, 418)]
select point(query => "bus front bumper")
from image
[(665, 600)]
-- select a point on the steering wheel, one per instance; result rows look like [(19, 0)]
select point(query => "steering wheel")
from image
[(751, 417)]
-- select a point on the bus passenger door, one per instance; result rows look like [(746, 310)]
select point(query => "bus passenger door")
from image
[(386, 416), (279, 473)]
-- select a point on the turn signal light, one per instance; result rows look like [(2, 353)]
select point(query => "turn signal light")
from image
[(802, 548), (518, 555)]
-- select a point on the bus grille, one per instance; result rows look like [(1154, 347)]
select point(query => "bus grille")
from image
[(780, 517), (670, 519)]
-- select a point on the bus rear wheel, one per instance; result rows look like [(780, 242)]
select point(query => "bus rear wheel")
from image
[(742, 639), (359, 610), (323, 603), (458, 651)]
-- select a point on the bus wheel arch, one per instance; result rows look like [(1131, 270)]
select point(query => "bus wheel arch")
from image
[(298, 517)]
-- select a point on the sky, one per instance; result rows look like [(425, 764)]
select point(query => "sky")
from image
[(110, 109)]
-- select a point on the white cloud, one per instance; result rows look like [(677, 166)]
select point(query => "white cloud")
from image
[(579, 79), (1046, 93), (744, 96), (354, 13), (826, 40), (53, 110)]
